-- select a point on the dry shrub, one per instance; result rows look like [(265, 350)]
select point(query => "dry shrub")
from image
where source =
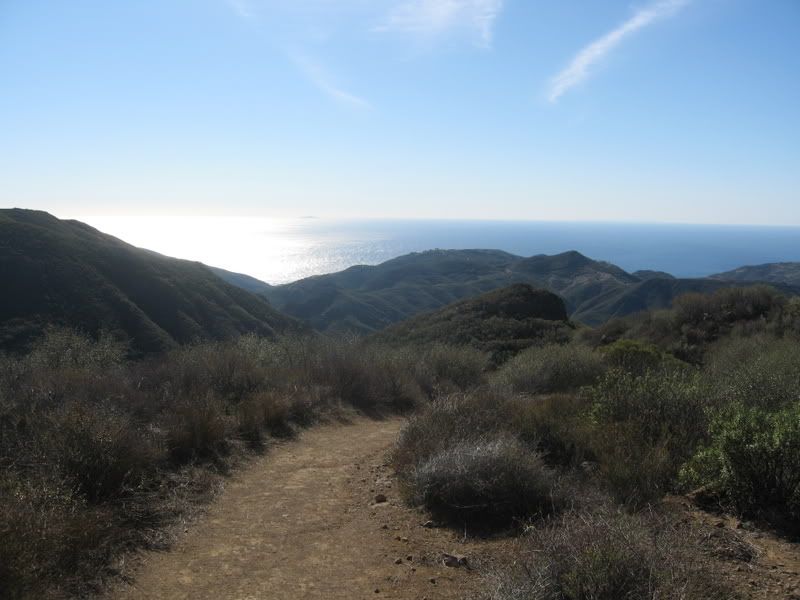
[(197, 430), (460, 458), (556, 425), (493, 479), (51, 539), (446, 421), (604, 555), (264, 413), (99, 449)]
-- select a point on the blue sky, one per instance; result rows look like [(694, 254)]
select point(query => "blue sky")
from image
[(666, 110)]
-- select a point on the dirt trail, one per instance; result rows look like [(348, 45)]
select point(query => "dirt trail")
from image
[(302, 522)]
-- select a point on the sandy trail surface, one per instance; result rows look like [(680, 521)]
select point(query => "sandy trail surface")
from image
[(303, 522)]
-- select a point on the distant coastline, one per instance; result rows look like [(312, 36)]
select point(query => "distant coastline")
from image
[(281, 251)]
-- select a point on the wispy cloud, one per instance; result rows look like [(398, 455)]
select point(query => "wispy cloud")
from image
[(433, 17), (243, 8), (323, 81), (580, 66)]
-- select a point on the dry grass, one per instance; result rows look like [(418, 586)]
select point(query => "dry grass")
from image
[(99, 455), (604, 555)]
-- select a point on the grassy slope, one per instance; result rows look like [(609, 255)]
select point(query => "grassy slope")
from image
[(65, 272)]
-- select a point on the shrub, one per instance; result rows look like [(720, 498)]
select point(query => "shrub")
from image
[(100, 450), (752, 460), (604, 555), (449, 420), (552, 368), (61, 347), (264, 412), (759, 371), (556, 425), (727, 305), (645, 428), (671, 404), (197, 430), (488, 478), (94, 449), (633, 356), (446, 369), (635, 471)]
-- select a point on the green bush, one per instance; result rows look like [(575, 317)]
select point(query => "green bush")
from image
[(670, 404), (752, 460), (445, 369), (552, 368), (638, 357), (645, 428), (758, 371)]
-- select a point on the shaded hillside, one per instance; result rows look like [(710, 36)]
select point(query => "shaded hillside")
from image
[(370, 298), (650, 294), (648, 274), (500, 322), (365, 299), (65, 272), (784, 272), (251, 284)]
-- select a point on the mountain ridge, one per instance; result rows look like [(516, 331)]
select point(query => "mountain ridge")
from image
[(368, 298), (65, 272)]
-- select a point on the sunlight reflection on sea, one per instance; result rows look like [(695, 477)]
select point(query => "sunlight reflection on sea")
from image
[(283, 250)]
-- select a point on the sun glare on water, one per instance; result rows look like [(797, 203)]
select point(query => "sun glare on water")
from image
[(273, 250)]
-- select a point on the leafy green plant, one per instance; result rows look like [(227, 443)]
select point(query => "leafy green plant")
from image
[(752, 459)]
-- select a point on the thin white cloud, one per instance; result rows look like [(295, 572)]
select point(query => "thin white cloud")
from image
[(243, 8), (322, 80), (434, 17), (578, 69)]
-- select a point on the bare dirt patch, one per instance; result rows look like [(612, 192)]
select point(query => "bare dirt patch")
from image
[(308, 520)]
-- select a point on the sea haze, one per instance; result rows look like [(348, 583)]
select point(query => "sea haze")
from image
[(279, 251)]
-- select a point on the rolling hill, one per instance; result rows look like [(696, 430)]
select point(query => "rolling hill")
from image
[(369, 298), (65, 272), (783, 272), (366, 299), (499, 322)]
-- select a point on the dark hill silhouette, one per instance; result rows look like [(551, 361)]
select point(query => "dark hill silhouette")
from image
[(501, 321), (68, 273)]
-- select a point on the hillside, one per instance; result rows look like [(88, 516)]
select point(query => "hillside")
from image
[(498, 322), (370, 298), (246, 282), (67, 273), (366, 299), (783, 272), (650, 294)]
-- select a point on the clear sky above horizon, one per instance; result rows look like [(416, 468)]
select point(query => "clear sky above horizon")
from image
[(665, 110)]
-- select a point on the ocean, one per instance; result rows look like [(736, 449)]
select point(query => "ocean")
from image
[(283, 250)]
